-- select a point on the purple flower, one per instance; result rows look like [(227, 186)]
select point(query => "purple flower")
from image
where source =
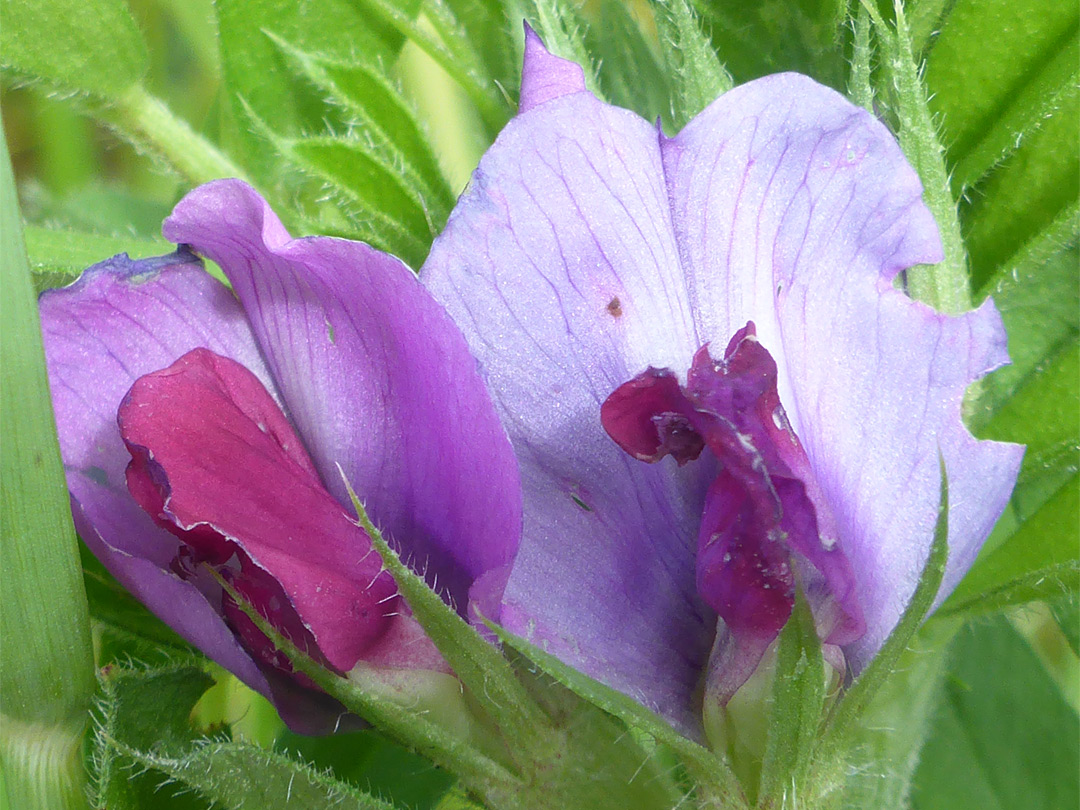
[(599, 269), (204, 427)]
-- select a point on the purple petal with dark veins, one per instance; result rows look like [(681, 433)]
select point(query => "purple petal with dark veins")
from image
[(589, 248), (795, 209), (563, 300), (376, 378), (546, 76)]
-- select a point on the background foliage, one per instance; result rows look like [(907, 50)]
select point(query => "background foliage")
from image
[(364, 118)]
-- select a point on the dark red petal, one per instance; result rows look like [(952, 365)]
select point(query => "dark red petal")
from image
[(742, 389), (215, 461), (649, 418)]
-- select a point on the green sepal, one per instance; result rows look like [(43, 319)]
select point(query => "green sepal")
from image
[(717, 783), (396, 713), (479, 664), (145, 722), (945, 285), (860, 88), (694, 70), (798, 697)]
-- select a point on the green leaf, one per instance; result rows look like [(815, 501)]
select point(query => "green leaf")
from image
[(479, 665), (1041, 99), (486, 26), (692, 66), (1038, 561), (1029, 193), (257, 73), (146, 719), (1037, 296), (925, 19), (1004, 738), (89, 46), (58, 256), (1031, 553), (981, 79), (381, 121), (797, 699), (631, 75), (372, 763), (1066, 612), (841, 725), (46, 659), (382, 209), (438, 33), (754, 39)]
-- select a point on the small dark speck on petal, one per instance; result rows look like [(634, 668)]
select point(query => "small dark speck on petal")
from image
[(581, 503), (615, 307)]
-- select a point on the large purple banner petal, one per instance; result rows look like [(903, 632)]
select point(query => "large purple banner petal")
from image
[(376, 378), (590, 247), (795, 209), (561, 267)]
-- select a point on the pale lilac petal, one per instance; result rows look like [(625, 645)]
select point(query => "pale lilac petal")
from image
[(546, 76), (120, 320), (795, 209), (575, 262), (376, 378), (560, 266)]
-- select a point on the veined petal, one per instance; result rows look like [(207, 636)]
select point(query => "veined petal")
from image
[(795, 209), (546, 76), (783, 204), (377, 379), (560, 265)]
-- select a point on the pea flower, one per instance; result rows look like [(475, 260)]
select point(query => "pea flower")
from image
[(724, 297), (207, 427)]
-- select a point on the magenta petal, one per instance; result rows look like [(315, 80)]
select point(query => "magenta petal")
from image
[(376, 378), (229, 470), (546, 76), (120, 320)]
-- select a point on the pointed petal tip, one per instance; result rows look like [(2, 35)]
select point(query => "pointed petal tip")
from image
[(544, 76)]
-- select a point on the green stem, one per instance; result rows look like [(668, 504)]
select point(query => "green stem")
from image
[(43, 765), (145, 120), (46, 661)]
